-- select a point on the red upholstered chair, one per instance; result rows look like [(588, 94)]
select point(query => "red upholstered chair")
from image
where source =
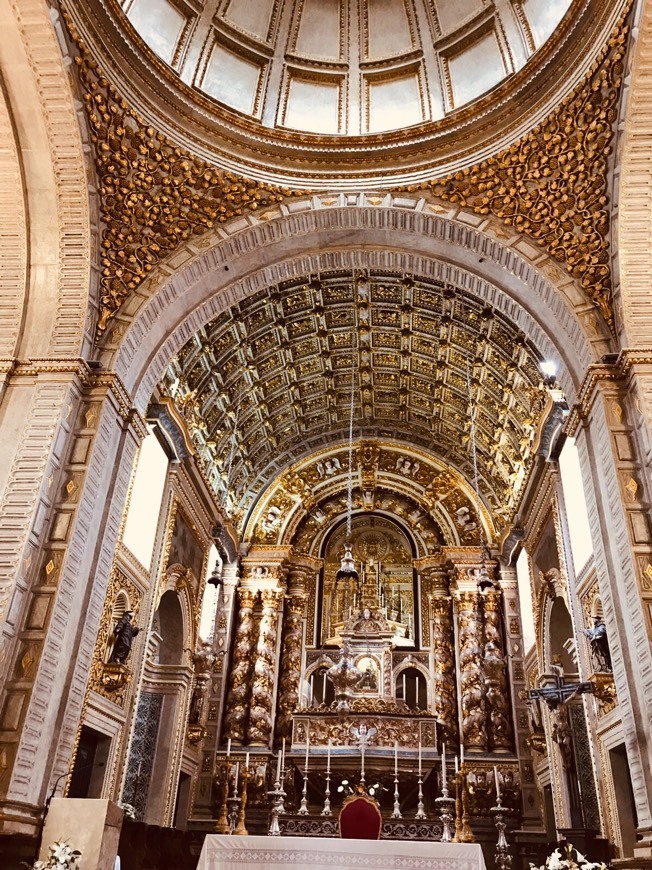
[(360, 817)]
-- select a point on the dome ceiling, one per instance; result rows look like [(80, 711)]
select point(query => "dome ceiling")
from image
[(344, 67), (269, 382)]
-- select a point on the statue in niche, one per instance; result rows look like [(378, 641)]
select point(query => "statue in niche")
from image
[(599, 644), (124, 634), (272, 520)]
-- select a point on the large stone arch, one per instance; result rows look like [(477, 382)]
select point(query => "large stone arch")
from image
[(360, 237), (45, 243), (634, 238)]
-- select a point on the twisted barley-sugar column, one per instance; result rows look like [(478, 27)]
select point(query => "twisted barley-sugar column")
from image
[(500, 731), (472, 678), (235, 720), (445, 684), (290, 670), (262, 693)]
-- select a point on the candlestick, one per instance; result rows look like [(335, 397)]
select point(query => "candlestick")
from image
[(327, 793), (397, 803), (443, 768), (420, 813), (497, 784), (222, 825), (502, 858), (445, 804), (277, 794), (241, 828), (303, 809)]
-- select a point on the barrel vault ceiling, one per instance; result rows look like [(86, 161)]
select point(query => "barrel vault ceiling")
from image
[(268, 382)]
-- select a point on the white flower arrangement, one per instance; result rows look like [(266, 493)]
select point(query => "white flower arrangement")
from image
[(61, 857), (568, 862)]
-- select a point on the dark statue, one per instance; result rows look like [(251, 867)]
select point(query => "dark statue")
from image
[(124, 634), (599, 644)]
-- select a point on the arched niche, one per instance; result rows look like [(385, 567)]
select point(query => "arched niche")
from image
[(169, 621), (559, 633)]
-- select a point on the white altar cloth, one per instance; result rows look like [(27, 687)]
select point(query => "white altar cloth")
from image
[(328, 853)]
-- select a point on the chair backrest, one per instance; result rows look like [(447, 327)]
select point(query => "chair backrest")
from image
[(360, 818)]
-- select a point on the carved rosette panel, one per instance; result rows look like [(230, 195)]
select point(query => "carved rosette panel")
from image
[(445, 694), (288, 687), (260, 715), (472, 678), (500, 729), (240, 685)]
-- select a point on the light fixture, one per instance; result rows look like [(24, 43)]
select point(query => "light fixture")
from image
[(347, 569), (485, 581), (216, 576)]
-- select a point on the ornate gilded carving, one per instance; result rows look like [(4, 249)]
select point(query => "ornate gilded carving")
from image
[(153, 195), (406, 732), (605, 691), (552, 184), (203, 660), (111, 681), (443, 645), (290, 671), (472, 678), (500, 730), (240, 688), (260, 715)]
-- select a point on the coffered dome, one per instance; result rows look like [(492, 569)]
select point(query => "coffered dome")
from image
[(345, 67)]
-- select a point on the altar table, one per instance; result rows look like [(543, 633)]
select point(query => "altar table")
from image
[(288, 853)]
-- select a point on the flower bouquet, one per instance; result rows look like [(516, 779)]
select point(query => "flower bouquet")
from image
[(61, 857), (572, 860)]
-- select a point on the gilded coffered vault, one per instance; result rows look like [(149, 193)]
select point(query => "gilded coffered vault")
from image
[(269, 381)]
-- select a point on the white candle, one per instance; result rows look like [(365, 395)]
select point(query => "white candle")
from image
[(396, 759), (461, 755), (237, 772), (307, 750), (278, 768), (443, 765), (497, 783), (328, 758), (247, 761), (419, 756), (457, 766), (228, 747), (283, 756)]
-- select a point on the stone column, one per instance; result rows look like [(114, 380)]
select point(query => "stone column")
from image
[(500, 729), (613, 437), (262, 694), (470, 640), (235, 721)]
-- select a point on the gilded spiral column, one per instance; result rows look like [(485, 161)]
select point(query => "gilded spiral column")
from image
[(290, 671), (472, 678), (445, 694), (235, 721), (500, 731), (262, 693)]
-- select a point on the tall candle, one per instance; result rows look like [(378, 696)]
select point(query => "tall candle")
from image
[(396, 759), (283, 756), (328, 758), (307, 751), (237, 772), (457, 766), (443, 765), (247, 761), (419, 756), (461, 755), (228, 747), (278, 768), (497, 783)]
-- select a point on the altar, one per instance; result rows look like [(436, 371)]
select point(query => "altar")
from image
[(242, 853)]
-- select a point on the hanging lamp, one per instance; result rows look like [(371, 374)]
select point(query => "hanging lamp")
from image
[(485, 581), (347, 570)]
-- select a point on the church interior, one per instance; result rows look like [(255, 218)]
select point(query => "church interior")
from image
[(326, 426)]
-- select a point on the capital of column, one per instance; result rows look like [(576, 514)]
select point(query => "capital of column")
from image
[(300, 569), (265, 567)]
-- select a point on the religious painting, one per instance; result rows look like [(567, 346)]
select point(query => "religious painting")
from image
[(186, 548)]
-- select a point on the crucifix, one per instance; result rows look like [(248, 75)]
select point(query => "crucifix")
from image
[(558, 694)]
